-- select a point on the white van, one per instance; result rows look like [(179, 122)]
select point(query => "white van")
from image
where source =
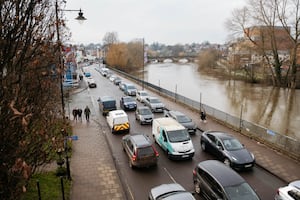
[(118, 121), (173, 138)]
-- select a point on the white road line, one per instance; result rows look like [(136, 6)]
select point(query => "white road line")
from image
[(171, 177)]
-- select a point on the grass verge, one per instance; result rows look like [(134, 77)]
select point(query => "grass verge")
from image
[(50, 187)]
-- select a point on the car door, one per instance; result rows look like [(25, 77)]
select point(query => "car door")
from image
[(129, 148), (164, 140), (219, 148), (211, 143)]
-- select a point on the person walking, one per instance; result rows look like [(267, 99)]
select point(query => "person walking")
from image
[(87, 113), (75, 113), (80, 114)]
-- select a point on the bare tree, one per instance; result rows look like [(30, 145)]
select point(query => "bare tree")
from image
[(110, 38), (259, 22), (29, 92)]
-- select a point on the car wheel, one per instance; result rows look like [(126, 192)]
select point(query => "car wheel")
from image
[(203, 146), (197, 187), (227, 162)]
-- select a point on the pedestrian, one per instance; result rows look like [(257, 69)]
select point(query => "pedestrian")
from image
[(80, 114), (87, 113), (203, 116), (75, 113)]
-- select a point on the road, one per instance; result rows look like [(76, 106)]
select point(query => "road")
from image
[(138, 182)]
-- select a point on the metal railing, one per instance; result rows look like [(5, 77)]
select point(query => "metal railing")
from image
[(278, 141)]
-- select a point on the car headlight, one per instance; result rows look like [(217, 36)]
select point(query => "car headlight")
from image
[(234, 158), (252, 155)]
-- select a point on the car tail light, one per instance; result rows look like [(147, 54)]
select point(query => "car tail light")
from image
[(194, 172), (133, 158), (155, 152)]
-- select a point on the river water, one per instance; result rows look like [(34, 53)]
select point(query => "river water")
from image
[(274, 108)]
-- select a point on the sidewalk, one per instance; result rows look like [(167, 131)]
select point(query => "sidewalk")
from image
[(94, 172)]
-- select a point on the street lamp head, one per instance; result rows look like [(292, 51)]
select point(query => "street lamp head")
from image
[(80, 16)]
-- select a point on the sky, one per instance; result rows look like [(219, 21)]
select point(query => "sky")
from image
[(168, 22)]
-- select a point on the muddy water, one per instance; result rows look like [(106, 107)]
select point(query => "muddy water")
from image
[(274, 108)]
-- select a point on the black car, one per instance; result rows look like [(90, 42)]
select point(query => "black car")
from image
[(227, 149), (214, 180), (127, 103), (140, 150)]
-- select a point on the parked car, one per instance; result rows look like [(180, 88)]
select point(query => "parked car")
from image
[(214, 180), (91, 83), (144, 115), (127, 103), (140, 150), (227, 149), (141, 95), (182, 119), (117, 80), (170, 191), (130, 89), (289, 192), (154, 104)]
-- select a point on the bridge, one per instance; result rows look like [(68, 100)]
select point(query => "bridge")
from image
[(185, 58)]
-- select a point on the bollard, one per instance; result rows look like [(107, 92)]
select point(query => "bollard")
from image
[(39, 190), (62, 188)]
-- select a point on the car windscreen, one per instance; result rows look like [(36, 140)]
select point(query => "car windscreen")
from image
[(178, 135), (109, 104), (155, 101), (145, 112), (241, 191), (131, 87), (128, 99), (183, 119), (232, 144), (145, 152)]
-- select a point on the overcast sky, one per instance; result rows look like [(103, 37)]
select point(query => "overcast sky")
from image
[(164, 21)]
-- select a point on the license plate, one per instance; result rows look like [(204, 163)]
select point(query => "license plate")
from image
[(185, 156), (250, 165)]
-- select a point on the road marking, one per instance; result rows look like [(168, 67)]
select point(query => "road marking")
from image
[(171, 177)]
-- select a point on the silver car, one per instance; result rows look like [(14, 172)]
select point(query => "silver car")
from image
[(183, 120), (144, 115), (170, 191), (154, 104)]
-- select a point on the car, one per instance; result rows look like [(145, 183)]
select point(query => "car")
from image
[(183, 120), (141, 95), (144, 115), (130, 89), (170, 191), (122, 86), (128, 103), (91, 83), (117, 80), (289, 192), (112, 77), (227, 149), (154, 104), (214, 180), (140, 150)]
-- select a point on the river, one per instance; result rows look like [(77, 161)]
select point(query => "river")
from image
[(274, 108)]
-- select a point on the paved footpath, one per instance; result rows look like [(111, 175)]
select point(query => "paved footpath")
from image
[(93, 171)]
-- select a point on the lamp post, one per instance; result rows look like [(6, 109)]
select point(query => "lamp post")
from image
[(81, 18)]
